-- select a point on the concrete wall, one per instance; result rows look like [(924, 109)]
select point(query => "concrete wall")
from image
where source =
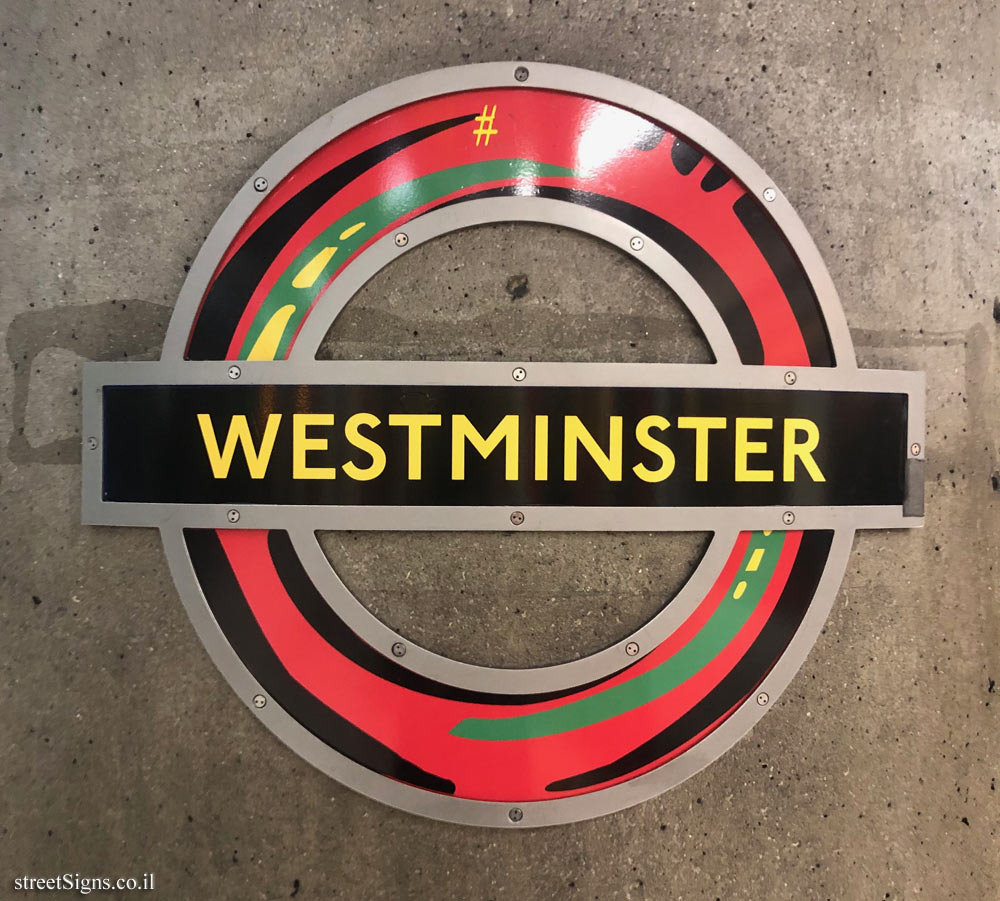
[(125, 127)]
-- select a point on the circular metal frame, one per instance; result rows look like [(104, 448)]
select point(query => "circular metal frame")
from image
[(697, 131), (495, 75)]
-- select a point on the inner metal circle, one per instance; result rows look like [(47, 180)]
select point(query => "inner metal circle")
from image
[(515, 291), (499, 674)]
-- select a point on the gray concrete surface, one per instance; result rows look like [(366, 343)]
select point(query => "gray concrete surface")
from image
[(125, 127)]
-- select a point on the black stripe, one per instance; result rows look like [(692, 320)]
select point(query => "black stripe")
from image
[(791, 276), (232, 289), (231, 611), (741, 680), (321, 616), (714, 179), (692, 256), (684, 156)]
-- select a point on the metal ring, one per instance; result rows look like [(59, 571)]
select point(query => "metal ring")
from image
[(555, 78)]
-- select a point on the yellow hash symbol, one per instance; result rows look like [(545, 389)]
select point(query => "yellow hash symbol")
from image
[(486, 129)]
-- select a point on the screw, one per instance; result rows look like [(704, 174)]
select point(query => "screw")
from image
[(521, 73), (401, 239), (260, 184), (788, 517), (632, 648), (515, 814), (259, 701), (770, 195), (763, 698), (914, 449), (235, 372), (636, 243), (517, 517), (790, 377), (92, 443), (519, 374), (399, 649), (233, 516)]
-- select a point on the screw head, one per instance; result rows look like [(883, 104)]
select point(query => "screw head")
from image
[(521, 73), (260, 184), (517, 517), (519, 374), (399, 649), (788, 517), (401, 239), (233, 516), (637, 243), (770, 195), (790, 377), (235, 372), (92, 443), (515, 814), (632, 648), (763, 698), (915, 449), (259, 701)]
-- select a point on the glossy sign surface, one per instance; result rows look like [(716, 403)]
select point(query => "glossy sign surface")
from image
[(510, 748), (437, 445)]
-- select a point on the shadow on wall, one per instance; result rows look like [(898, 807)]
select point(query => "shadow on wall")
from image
[(115, 330)]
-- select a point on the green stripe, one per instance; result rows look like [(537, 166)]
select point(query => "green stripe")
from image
[(377, 214), (705, 646)]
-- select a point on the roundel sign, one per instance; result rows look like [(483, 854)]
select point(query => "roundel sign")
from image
[(239, 445)]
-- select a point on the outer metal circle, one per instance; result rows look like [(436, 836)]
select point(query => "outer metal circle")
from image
[(487, 75), (398, 794)]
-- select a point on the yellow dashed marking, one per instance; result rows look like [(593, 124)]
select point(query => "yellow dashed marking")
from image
[(739, 590), (347, 232), (311, 271), (755, 559), (266, 345)]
